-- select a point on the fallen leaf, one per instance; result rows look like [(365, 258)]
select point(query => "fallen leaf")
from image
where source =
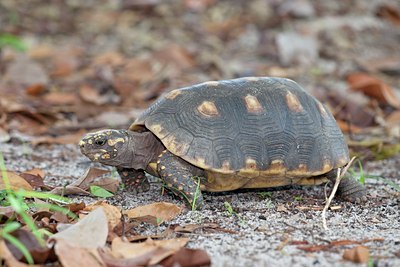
[(60, 98), (112, 213), (81, 185), (158, 249), (186, 257), (72, 256), (359, 254), (39, 254), (35, 178), (155, 213), (374, 88), (389, 13), (109, 184), (8, 257), (90, 232), (35, 89), (91, 95), (16, 182), (281, 208), (337, 243), (111, 58)]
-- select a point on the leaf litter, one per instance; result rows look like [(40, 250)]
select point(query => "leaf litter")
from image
[(43, 92)]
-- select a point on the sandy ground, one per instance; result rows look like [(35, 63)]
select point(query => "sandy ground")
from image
[(265, 229)]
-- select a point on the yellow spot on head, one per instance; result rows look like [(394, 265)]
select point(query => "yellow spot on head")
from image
[(293, 102), (113, 142), (90, 141), (253, 105), (173, 94), (105, 156), (208, 109), (162, 167), (82, 143)]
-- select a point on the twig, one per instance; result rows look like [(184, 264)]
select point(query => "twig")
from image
[(339, 177)]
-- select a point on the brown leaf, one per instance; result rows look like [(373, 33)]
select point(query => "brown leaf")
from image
[(109, 184), (359, 254), (8, 257), (159, 249), (374, 88), (35, 89), (91, 95), (112, 213), (39, 254), (72, 256), (82, 184), (337, 243), (75, 207), (90, 232), (16, 182), (61, 98), (389, 13), (186, 257), (112, 58), (155, 213), (35, 180)]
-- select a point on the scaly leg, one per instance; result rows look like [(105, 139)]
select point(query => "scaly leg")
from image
[(135, 180), (181, 177)]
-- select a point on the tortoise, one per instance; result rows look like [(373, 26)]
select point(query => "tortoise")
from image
[(253, 132)]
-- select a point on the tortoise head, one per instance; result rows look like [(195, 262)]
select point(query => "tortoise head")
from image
[(105, 146)]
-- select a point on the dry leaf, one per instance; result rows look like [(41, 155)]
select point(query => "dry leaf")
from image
[(155, 213), (8, 257), (359, 254), (389, 13), (91, 95), (109, 184), (16, 182), (113, 213), (35, 89), (39, 254), (90, 232), (159, 249), (61, 98), (72, 256), (82, 184), (186, 257), (374, 88)]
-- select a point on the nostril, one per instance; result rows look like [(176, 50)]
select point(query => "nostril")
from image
[(82, 144)]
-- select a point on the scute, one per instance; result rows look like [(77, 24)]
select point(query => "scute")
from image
[(259, 127)]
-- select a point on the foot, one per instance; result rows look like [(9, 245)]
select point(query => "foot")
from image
[(135, 181)]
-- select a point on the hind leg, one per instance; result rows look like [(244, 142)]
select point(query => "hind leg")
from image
[(349, 188)]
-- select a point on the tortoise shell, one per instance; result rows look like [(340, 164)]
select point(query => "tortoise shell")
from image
[(248, 127)]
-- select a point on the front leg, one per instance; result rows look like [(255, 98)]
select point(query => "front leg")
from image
[(181, 177), (135, 181)]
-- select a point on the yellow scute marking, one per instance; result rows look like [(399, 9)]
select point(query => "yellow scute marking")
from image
[(175, 146), (252, 104), (293, 102), (173, 94), (212, 83), (251, 164), (322, 109), (208, 109)]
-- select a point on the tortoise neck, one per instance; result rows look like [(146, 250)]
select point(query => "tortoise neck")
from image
[(144, 148)]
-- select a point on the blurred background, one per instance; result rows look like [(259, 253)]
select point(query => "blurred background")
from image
[(67, 67)]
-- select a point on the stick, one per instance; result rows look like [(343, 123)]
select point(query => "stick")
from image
[(340, 175)]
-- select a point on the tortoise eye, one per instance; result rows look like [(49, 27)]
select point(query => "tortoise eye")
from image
[(100, 142)]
